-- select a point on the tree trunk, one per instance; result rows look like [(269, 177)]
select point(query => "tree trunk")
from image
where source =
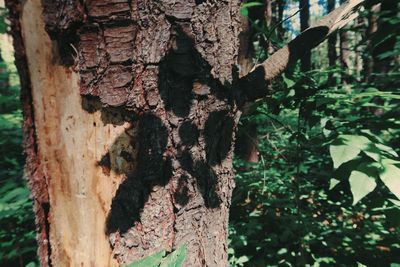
[(130, 112), (344, 54), (379, 26), (370, 31), (269, 22), (332, 55), (304, 6), (245, 147), (129, 125), (281, 8), (389, 9)]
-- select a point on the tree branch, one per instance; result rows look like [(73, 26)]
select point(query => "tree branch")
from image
[(254, 84)]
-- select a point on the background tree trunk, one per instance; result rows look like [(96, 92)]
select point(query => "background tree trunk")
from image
[(389, 9), (129, 127), (332, 40), (281, 7), (344, 54), (269, 22), (304, 6), (370, 30)]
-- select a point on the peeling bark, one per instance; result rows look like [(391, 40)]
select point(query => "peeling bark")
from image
[(36, 177), (136, 121)]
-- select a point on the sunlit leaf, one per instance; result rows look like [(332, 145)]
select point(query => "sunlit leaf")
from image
[(175, 259), (332, 183), (387, 149), (358, 141), (149, 261), (394, 201), (251, 4), (391, 178), (374, 155), (347, 147), (360, 185), (342, 153), (288, 82)]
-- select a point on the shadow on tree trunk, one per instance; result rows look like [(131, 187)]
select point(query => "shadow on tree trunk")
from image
[(176, 145)]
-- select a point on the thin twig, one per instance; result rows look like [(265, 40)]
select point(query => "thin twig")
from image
[(282, 21)]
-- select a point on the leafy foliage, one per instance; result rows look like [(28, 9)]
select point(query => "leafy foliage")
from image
[(3, 25), (17, 235), (161, 259), (325, 191)]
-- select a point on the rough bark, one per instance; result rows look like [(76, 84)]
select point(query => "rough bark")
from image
[(247, 142), (130, 113), (143, 159), (245, 57)]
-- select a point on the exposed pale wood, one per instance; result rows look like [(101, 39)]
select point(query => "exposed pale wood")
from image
[(70, 143)]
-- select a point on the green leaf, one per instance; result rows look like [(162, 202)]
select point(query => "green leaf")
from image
[(358, 141), (361, 185), (333, 182), (390, 162), (16, 194), (252, 4), (175, 259), (342, 153), (373, 152), (244, 9), (395, 201), (347, 147), (325, 131), (288, 82), (3, 25), (387, 149), (391, 178), (244, 12), (149, 261), (241, 260)]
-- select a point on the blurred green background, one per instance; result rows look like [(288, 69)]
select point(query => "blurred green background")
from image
[(17, 227)]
